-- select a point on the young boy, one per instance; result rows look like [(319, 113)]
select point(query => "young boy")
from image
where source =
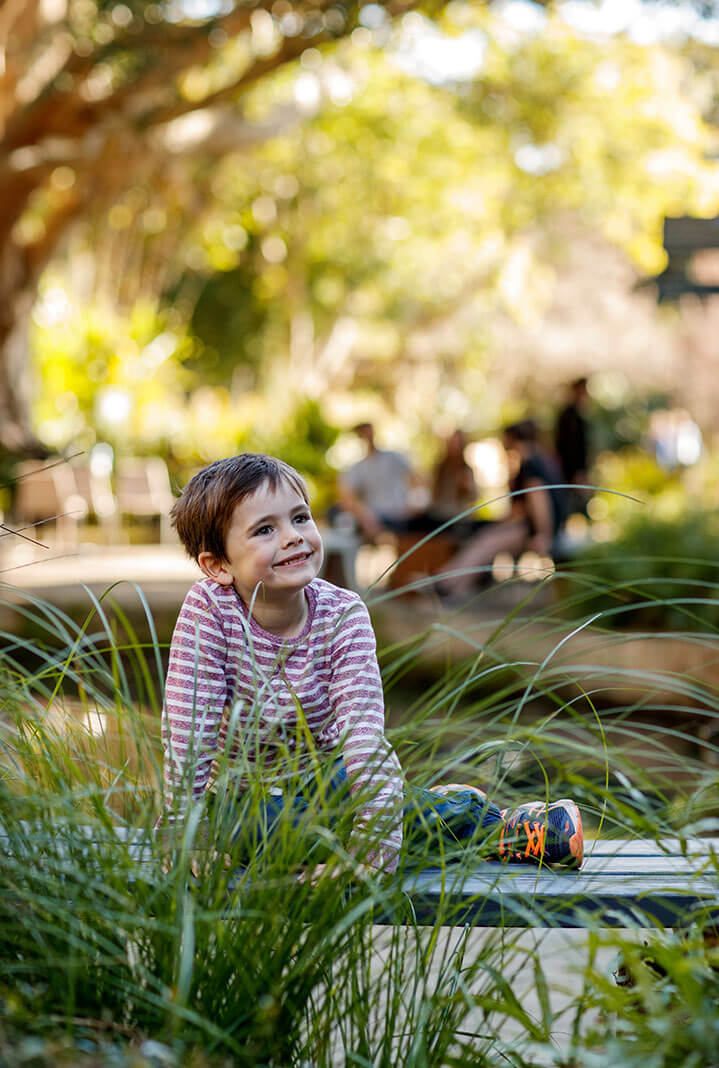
[(272, 669)]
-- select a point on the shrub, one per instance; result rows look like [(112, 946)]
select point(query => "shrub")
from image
[(656, 573)]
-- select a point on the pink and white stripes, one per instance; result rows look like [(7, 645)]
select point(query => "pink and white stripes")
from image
[(264, 703)]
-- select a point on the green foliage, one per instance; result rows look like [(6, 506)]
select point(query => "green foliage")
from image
[(621, 426), (227, 319), (642, 490), (594, 108), (139, 363), (302, 440), (106, 952), (383, 236), (107, 375), (657, 573), (399, 205)]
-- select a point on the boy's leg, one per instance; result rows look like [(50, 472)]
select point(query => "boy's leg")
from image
[(250, 820), (256, 821), (536, 832), (443, 820), (506, 536), (437, 823)]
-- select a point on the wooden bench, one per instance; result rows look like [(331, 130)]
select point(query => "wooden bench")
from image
[(47, 492), (622, 883), (143, 491), (420, 556)]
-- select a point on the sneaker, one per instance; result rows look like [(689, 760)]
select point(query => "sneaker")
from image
[(545, 833)]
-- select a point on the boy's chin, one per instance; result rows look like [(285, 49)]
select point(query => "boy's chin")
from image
[(296, 577)]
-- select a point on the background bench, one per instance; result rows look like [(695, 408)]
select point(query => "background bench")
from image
[(61, 496)]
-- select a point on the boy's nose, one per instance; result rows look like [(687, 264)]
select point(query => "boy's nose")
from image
[(291, 535)]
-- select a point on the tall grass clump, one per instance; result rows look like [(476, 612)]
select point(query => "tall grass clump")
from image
[(123, 945)]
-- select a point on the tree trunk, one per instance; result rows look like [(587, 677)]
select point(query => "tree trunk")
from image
[(17, 292)]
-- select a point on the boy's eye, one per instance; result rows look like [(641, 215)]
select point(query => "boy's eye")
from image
[(264, 530), (302, 517)]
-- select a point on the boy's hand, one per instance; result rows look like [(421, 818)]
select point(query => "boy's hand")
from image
[(199, 864), (333, 871)]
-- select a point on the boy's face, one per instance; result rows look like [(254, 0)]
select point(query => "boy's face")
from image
[(272, 540)]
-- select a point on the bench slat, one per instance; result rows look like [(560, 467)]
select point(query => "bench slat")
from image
[(642, 847), (512, 897), (623, 883), (649, 865)]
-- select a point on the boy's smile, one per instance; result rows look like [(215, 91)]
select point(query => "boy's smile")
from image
[(293, 561), (272, 546)]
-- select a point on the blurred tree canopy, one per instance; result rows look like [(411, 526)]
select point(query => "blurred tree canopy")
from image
[(91, 92), (276, 200), (410, 212)]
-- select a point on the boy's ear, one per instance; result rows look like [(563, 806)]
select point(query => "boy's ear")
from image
[(214, 569)]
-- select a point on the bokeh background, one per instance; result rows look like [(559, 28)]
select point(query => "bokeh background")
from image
[(235, 225), (231, 226)]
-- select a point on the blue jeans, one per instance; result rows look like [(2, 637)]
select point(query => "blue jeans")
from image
[(434, 825)]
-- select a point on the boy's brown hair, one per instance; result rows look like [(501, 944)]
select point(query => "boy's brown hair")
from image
[(202, 514)]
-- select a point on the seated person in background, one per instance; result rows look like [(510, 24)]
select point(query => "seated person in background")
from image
[(431, 536), (376, 489), (454, 488), (537, 514)]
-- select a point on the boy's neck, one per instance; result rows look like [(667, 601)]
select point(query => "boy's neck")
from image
[(285, 618)]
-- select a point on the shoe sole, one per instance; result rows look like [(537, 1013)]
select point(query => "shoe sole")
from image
[(576, 841)]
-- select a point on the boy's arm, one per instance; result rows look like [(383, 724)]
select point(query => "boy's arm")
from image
[(195, 697), (372, 765)]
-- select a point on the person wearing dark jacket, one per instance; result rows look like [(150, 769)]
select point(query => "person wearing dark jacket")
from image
[(571, 440), (538, 511)]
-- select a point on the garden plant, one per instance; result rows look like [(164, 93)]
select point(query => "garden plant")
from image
[(119, 946)]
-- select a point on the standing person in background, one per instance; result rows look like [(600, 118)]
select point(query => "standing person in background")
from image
[(571, 440), (376, 489)]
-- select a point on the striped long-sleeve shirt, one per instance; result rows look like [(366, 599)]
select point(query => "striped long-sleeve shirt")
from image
[(259, 704)]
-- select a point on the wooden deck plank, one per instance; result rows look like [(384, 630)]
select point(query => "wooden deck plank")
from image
[(642, 847), (545, 898), (623, 883)]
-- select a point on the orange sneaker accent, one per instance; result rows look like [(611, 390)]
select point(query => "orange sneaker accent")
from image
[(548, 833), (535, 839)]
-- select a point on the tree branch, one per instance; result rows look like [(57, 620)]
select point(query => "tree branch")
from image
[(17, 18), (57, 113), (290, 49)]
